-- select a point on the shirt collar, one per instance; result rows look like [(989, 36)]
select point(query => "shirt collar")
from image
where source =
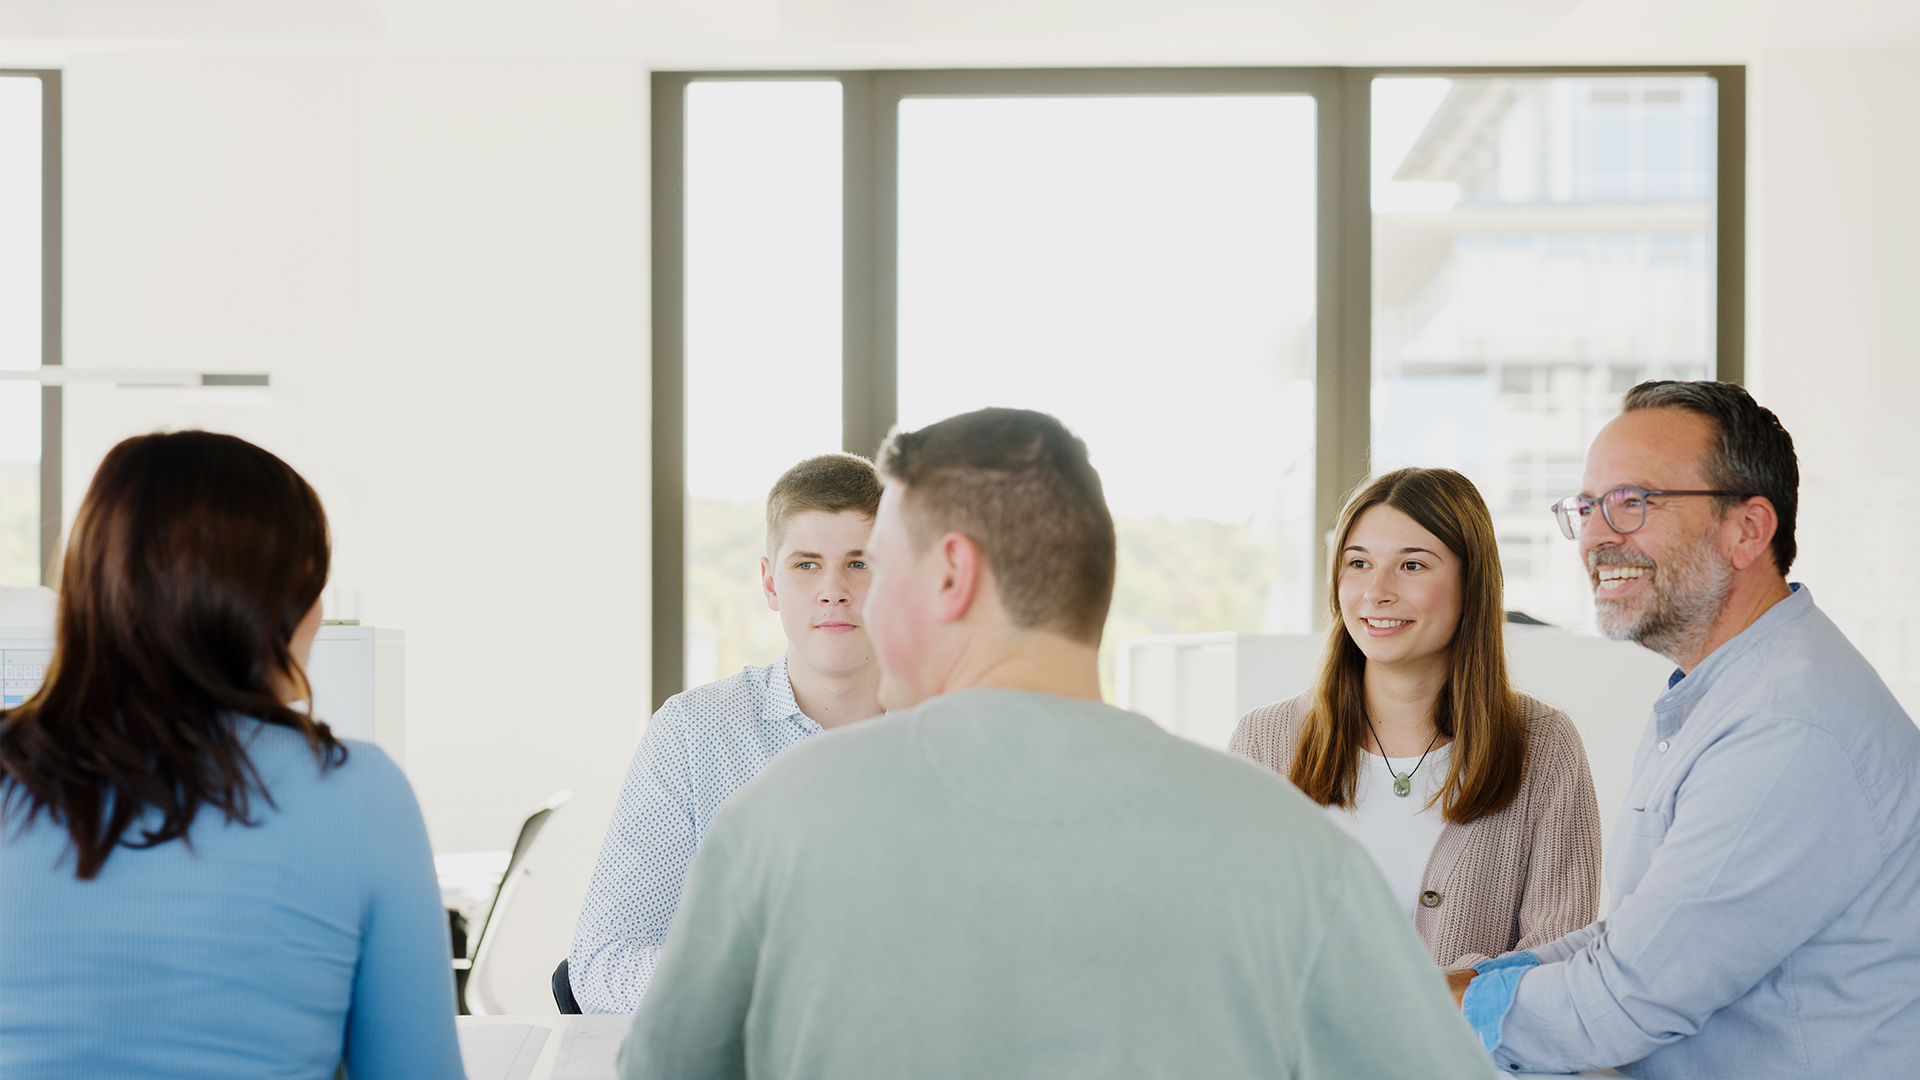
[(1689, 686), (777, 705)]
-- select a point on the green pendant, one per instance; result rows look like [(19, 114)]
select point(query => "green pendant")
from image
[(1403, 784)]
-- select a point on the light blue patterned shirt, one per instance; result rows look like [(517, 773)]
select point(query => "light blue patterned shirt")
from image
[(1766, 876), (700, 748)]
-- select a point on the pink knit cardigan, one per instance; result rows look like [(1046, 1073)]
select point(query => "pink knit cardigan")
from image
[(1508, 881)]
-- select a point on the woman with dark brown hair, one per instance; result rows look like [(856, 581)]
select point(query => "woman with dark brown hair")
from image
[(196, 878), (1474, 800)]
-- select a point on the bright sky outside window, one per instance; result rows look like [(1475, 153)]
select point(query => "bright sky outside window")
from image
[(1142, 268), (763, 339), (20, 236)]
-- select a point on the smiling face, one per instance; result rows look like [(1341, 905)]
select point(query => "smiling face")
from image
[(1400, 589), (1662, 584), (817, 581)]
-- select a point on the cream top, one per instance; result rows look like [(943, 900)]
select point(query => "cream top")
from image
[(1398, 832)]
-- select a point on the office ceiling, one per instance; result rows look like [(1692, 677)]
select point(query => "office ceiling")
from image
[(919, 32)]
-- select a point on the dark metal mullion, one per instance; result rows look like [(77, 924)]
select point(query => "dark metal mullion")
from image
[(52, 408), (1343, 387), (884, 180), (1730, 224), (669, 387), (868, 398)]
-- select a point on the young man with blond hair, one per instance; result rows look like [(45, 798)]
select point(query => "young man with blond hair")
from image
[(704, 743), (1006, 878)]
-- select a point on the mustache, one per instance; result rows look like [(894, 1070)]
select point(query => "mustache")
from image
[(1600, 557)]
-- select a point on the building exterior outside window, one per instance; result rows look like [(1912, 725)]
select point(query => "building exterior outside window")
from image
[(1540, 246)]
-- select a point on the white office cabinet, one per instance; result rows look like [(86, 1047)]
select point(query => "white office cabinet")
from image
[(358, 674), (25, 652), (359, 677), (1199, 685)]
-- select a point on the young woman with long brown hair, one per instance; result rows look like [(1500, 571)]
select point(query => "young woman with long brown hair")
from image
[(197, 879), (1475, 800)]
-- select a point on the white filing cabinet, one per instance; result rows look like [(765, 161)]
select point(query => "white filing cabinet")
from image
[(1199, 685), (358, 675), (25, 652)]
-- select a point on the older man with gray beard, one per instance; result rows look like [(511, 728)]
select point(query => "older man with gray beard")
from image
[(1765, 870)]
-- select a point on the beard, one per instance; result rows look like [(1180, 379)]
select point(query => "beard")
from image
[(1676, 613)]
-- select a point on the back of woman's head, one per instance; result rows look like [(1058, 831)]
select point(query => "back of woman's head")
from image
[(193, 560), (1477, 707)]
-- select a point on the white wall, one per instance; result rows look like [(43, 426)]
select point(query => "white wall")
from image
[(442, 265), (1838, 297), (427, 219)]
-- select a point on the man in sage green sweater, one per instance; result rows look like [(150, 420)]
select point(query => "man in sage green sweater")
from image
[(1005, 877)]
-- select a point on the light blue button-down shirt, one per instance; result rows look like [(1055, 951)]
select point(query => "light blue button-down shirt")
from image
[(1766, 876), (700, 748)]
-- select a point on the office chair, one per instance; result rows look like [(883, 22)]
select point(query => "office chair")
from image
[(473, 975), (563, 991)]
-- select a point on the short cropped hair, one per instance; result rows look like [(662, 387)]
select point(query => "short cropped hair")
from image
[(1751, 454), (1018, 484), (830, 483)]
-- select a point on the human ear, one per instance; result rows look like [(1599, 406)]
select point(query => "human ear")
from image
[(1757, 521), (959, 576), (766, 584)]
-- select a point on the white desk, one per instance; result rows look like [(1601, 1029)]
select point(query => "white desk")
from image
[(588, 1041)]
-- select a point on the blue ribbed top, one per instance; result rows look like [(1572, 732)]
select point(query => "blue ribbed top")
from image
[(260, 952)]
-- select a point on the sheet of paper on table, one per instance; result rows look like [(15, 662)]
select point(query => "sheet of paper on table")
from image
[(501, 1051), (587, 1050)]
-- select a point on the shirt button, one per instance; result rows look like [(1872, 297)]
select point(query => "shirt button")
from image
[(1429, 899), (1662, 747)]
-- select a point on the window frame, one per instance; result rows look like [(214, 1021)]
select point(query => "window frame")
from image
[(1343, 345), (51, 404)]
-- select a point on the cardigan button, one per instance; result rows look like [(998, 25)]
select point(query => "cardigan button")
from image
[(1429, 899)]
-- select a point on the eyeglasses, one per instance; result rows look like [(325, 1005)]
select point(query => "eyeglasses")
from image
[(1625, 509)]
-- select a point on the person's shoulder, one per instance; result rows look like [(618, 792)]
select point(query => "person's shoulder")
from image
[(1554, 747), (846, 747), (1282, 714), (1547, 727), (1268, 734), (829, 772), (738, 696), (1807, 671), (355, 763)]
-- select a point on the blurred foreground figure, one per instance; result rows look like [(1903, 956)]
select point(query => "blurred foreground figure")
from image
[(197, 880), (1006, 878)]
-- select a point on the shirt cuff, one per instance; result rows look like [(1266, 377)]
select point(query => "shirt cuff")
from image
[(1519, 959), (1490, 997)]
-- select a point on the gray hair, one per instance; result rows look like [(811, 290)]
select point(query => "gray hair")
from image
[(1751, 454)]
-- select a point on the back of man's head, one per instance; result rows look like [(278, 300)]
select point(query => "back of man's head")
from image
[(830, 483), (1751, 452), (1019, 485)]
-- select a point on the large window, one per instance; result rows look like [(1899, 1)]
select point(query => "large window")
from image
[(1143, 269), (763, 339), (29, 324), (1540, 245), (1248, 290)]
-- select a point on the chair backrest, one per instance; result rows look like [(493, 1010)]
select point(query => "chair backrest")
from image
[(496, 912), (563, 997)]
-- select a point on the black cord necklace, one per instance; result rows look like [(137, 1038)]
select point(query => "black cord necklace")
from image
[(1402, 782)]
